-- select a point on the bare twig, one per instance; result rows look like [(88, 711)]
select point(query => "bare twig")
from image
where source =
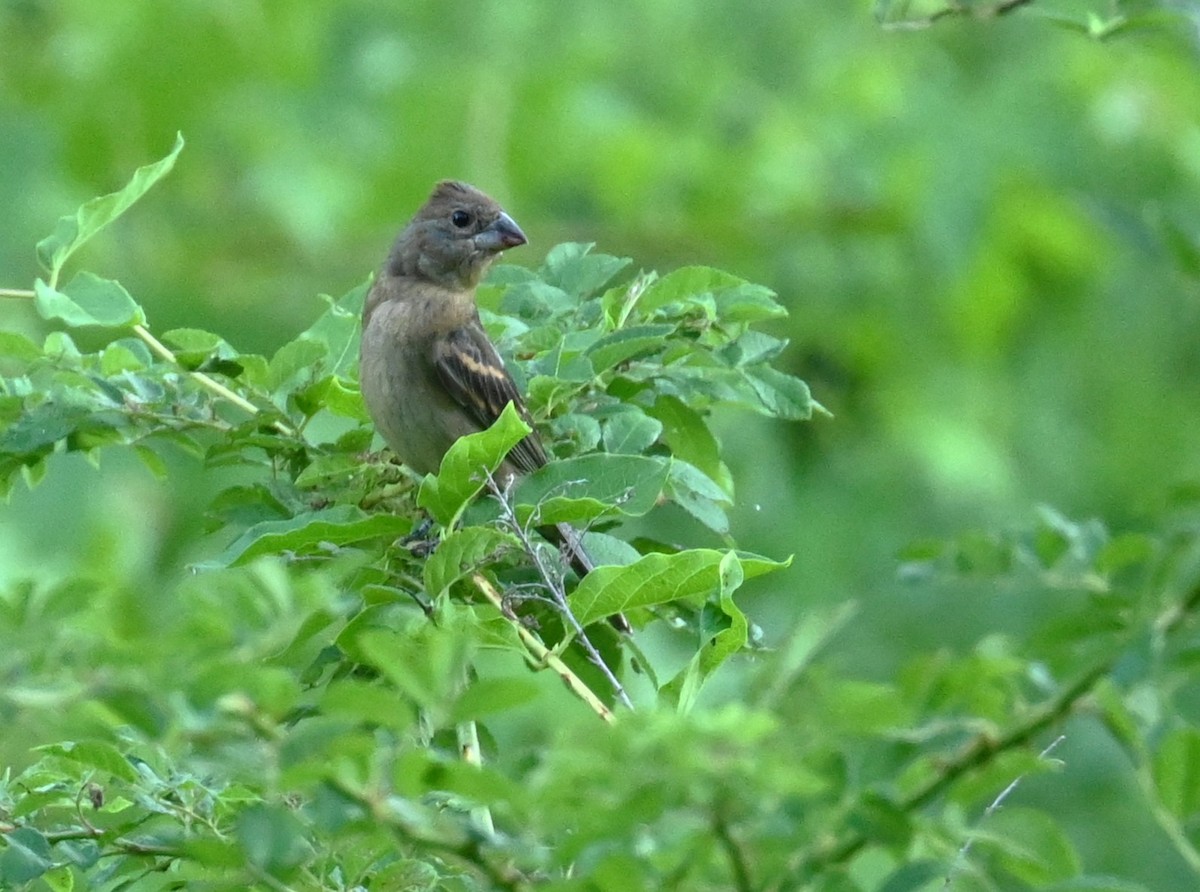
[(557, 591), (961, 857)]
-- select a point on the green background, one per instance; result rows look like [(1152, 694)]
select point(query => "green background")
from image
[(986, 234)]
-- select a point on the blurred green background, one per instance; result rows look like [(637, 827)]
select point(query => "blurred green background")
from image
[(986, 234)]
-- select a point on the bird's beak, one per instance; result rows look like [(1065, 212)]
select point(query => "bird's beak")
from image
[(504, 233)]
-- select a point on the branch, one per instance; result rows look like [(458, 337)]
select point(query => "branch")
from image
[(211, 384), (555, 588), (466, 848), (164, 352), (983, 748), (542, 654), (991, 810)]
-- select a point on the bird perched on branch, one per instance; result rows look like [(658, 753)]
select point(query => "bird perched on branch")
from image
[(428, 371)]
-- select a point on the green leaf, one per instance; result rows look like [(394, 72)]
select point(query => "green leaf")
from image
[(272, 838), (367, 702), (572, 268), (337, 331), (719, 645), (782, 395), (658, 579), (26, 856), (72, 232), (14, 345), (699, 496), (736, 300), (89, 300), (488, 696), (1031, 845), (577, 490), (1177, 772), (689, 438), (628, 343), (316, 532), (94, 754), (466, 465), (460, 553), (631, 431)]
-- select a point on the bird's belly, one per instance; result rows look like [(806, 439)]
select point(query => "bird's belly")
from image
[(412, 412)]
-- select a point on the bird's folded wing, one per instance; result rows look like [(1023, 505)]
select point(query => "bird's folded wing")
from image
[(474, 375)]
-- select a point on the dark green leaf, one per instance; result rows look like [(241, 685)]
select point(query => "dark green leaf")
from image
[(26, 856)]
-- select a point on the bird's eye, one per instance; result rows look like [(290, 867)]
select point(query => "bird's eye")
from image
[(461, 219)]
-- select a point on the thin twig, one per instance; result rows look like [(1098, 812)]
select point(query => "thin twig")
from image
[(164, 352), (983, 747), (558, 593), (961, 857), (541, 654), (204, 380)]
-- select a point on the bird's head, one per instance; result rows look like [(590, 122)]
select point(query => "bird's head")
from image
[(454, 237)]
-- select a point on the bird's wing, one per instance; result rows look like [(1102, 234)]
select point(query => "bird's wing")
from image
[(472, 372)]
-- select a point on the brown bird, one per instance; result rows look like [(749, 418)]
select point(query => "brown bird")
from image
[(428, 371)]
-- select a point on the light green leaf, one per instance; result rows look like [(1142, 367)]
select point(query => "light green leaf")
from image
[(658, 579), (577, 490), (572, 268), (1177, 772), (466, 465), (461, 553), (736, 300), (89, 300), (1031, 845), (782, 395), (313, 533), (718, 645), (693, 491), (627, 343), (631, 432), (337, 331), (72, 232), (689, 438), (94, 754), (488, 696)]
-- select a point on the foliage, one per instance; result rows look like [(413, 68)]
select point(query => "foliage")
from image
[(985, 228)]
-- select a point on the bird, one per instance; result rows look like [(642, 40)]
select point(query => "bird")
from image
[(428, 371)]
